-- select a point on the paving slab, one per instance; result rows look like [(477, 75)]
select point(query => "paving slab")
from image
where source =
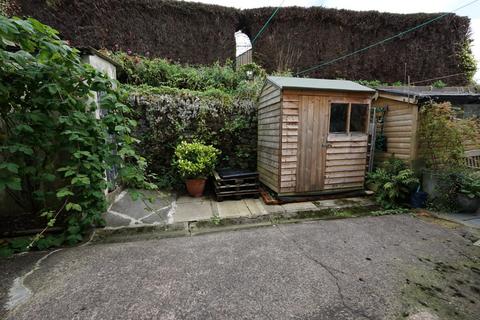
[(475, 223), (344, 203), (153, 208), (274, 208), (232, 209), (193, 211), (467, 219), (299, 206), (188, 199), (256, 207)]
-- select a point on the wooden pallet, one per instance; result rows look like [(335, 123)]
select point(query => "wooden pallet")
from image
[(236, 186)]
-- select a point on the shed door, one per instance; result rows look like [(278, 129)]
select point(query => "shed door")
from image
[(312, 139)]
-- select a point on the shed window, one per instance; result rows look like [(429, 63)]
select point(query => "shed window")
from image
[(338, 117), (348, 117), (358, 118)]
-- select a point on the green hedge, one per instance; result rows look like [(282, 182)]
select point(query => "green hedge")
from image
[(227, 122)]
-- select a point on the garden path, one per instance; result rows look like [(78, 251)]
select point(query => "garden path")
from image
[(166, 208)]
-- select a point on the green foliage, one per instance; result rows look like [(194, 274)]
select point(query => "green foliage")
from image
[(195, 160), (216, 220), (226, 122), (54, 150), (454, 181), (439, 84), (449, 184), (392, 182), (214, 104), (467, 60), (378, 83), (245, 82), (441, 136), (470, 185)]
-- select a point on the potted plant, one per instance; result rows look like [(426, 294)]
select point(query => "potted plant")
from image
[(468, 197), (195, 161)]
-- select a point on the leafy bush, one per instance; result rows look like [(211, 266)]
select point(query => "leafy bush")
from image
[(246, 81), (442, 136), (470, 185), (195, 160), (54, 151), (453, 181), (217, 119), (392, 183)]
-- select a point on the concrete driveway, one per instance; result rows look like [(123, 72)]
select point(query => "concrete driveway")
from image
[(390, 267)]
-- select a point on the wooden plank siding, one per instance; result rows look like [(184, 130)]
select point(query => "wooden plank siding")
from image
[(306, 165), (346, 161), (313, 127), (400, 129), (296, 154), (289, 143), (269, 133)]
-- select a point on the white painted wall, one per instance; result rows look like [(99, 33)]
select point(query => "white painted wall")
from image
[(101, 65)]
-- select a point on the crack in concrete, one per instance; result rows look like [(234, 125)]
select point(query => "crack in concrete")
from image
[(133, 221), (19, 293), (326, 268), (157, 212)]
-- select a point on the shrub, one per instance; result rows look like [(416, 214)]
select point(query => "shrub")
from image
[(54, 152), (470, 185), (156, 72), (215, 118), (195, 160), (392, 183), (449, 185), (442, 136)]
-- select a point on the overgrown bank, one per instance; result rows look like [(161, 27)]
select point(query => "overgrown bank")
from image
[(211, 104)]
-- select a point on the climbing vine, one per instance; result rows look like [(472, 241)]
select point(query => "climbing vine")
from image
[(54, 150)]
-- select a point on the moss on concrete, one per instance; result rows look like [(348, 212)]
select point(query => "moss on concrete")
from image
[(450, 290)]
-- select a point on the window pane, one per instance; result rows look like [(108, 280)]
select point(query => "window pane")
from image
[(358, 118), (338, 117)]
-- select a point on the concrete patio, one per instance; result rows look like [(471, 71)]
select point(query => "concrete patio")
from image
[(391, 267)]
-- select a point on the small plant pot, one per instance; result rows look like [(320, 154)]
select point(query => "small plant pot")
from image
[(195, 187), (466, 204)]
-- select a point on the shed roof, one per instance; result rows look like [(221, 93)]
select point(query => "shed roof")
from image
[(425, 93), (318, 84), (95, 52), (429, 91)]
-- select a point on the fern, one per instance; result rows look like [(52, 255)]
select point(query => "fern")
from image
[(392, 183)]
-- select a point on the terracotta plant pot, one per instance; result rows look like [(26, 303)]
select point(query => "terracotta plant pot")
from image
[(195, 187)]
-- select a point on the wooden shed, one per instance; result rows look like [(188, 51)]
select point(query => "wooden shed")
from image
[(400, 115), (313, 135)]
